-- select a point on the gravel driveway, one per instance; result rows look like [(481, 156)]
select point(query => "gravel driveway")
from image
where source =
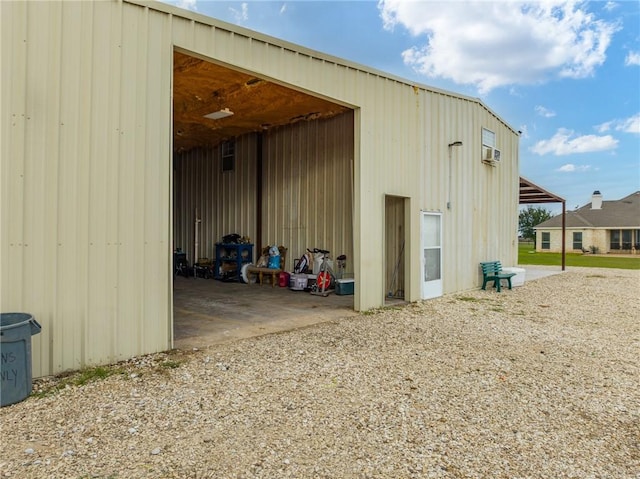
[(542, 381)]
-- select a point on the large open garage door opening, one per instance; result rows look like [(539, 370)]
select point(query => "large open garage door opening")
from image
[(256, 163)]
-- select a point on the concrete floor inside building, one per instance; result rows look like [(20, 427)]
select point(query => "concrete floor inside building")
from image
[(208, 311)]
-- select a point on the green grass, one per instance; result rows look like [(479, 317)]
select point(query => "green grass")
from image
[(169, 364), (528, 255), (78, 378), (469, 298)]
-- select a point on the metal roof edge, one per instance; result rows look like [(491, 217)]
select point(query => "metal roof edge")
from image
[(214, 22)]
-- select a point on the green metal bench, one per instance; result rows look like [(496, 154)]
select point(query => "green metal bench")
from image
[(492, 271)]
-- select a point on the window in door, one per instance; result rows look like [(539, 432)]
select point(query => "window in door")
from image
[(431, 255)]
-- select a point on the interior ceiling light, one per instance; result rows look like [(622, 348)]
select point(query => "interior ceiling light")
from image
[(216, 115)]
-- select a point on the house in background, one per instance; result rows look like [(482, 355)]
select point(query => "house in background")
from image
[(601, 226)]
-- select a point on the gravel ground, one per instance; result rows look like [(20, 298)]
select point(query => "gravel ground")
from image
[(538, 382)]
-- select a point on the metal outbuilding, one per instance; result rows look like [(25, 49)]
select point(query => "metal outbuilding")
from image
[(107, 161)]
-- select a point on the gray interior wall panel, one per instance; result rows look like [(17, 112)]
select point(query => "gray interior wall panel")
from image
[(225, 201), (307, 186)]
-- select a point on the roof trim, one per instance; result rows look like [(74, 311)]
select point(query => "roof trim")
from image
[(214, 22), (532, 193)]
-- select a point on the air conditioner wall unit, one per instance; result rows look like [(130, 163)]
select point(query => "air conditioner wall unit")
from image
[(488, 155), (496, 154)]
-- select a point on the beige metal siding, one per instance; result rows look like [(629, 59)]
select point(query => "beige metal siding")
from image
[(481, 222), (87, 171), (85, 179)]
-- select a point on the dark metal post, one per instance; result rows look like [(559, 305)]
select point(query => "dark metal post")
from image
[(259, 165), (564, 224)]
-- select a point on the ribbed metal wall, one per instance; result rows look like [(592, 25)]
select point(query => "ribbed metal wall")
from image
[(481, 222), (85, 179), (308, 187), (223, 201), (307, 191), (87, 172)]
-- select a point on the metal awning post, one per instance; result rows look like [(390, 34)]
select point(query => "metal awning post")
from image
[(564, 233)]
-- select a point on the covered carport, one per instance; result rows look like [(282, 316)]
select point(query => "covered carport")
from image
[(530, 193)]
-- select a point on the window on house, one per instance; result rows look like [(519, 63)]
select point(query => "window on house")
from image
[(626, 239), (546, 240), (488, 145), (577, 240), (615, 239), (636, 240), (228, 155)]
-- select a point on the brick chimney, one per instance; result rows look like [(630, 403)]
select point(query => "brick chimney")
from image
[(596, 200)]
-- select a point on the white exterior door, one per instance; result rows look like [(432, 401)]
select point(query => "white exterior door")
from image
[(431, 255)]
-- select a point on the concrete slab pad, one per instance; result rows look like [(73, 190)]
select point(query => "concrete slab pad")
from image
[(208, 311)]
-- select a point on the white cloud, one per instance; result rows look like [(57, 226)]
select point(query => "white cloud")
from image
[(242, 14), (626, 125), (515, 92), (187, 4), (564, 142), (630, 125), (525, 132), (610, 6), (283, 8), (570, 168), (633, 58), (542, 111), (604, 127), (494, 44)]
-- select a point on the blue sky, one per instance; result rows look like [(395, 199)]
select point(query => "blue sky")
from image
[(565, 73)]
